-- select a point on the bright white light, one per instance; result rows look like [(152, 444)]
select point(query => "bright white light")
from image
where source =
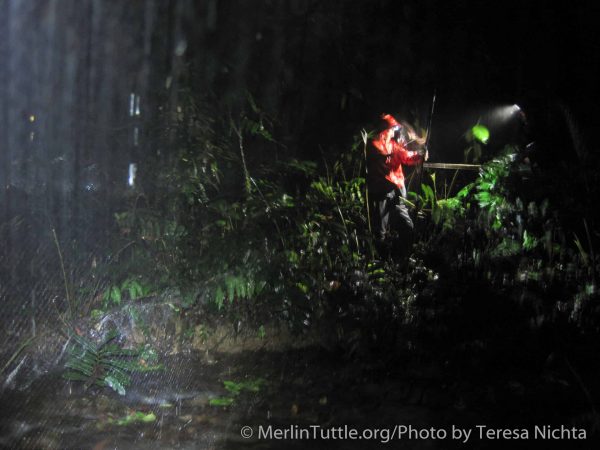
[(504, 113), (131, 104), (132, 173)]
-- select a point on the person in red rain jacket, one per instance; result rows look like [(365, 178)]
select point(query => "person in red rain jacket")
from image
[(395, 145)]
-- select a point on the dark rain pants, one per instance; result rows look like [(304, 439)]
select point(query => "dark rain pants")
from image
[(391, 222)]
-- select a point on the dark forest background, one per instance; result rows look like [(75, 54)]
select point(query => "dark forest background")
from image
[(323, 69), (212, 152)]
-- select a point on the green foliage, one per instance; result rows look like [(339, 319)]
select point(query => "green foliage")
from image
[(105, 364), (235, 389), (491, 190), (292, 265), (480, 133), (496, 232), (255, 234), (288, 243), (151, 236), (112, 296), (261, 332), (148, 357), (221, 401), (529, 242), (444, 212), (451, 209), (133, 418), (236, 287), (96, 314), (477, 138), (130, 288)]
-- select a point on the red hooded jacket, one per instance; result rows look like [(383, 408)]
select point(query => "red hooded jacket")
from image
[(386, 158)]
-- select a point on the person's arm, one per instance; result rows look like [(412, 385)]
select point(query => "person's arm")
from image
[(409, 157)]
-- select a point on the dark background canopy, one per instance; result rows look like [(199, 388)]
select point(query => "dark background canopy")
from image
[(323, 69)]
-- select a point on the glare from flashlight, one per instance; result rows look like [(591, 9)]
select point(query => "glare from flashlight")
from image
[(504, 113)]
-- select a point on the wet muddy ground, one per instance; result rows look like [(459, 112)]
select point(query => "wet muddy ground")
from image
[(171, 409)]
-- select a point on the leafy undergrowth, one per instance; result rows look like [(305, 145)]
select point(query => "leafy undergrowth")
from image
[(502, 277), (105, 364), (234, 389), (131, 418)]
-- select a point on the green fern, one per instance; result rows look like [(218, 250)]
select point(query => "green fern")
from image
[(104, 364)]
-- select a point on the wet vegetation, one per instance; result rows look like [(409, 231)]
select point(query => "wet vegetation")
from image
[(498, 297), (186, 243), (498, 294)]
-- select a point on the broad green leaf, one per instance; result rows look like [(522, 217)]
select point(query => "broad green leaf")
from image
[(481, 133), (114, 384), (221, 401)]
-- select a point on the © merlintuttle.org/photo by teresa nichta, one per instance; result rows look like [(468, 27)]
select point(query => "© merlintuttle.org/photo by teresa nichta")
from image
[(409, 432)]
